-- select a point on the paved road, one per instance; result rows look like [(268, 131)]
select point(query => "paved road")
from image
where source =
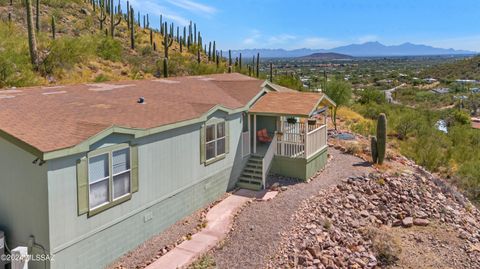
[(389, 94)]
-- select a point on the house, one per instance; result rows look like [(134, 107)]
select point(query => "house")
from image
[(91, 171), (441, 90), (430, 80)]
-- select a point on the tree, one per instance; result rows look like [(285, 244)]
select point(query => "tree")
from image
[(341, 93)]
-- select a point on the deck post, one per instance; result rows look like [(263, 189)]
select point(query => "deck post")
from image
[(249, 132), (254, 133), (306, 138)]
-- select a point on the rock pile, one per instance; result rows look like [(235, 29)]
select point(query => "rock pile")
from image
[(336, 228)]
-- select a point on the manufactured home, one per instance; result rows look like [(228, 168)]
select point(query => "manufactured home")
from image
[(89, 172)]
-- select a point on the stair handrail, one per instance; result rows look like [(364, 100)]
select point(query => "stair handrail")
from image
[(267, 159)]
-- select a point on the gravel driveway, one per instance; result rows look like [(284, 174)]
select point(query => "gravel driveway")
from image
[(257, 229)]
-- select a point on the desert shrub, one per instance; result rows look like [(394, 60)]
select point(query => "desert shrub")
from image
[(65, 52), (205, 262), (289, 81), (386, 247), (371, 95), (15, 66), (110, 49)]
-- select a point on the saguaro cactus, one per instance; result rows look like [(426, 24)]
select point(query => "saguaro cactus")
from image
[(132, 29), (113, 24), (165, 67), (373, 145), (53, 27), (379, 143), (32, 39), (37, 17), (167, 43), (271, 72), (381, 137), (229, 61), (240, 62), (102, 18), (258, 65)]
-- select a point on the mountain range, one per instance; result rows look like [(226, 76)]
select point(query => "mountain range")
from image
[(368, 49)]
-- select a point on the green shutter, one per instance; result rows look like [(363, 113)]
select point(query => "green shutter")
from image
[(227, 136), (134, 167), (202, 144), (82, 186)]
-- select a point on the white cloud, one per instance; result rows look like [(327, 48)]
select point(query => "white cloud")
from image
[(280, 39), (367, 38), (459, 43), (253, 39), (194, 6), (319, 43), (152, 8)]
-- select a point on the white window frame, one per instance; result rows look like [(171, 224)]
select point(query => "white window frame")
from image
[(109, 152), (215, 140)]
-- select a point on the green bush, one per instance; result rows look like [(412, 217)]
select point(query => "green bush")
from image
[(15, 66), (65, 52), (110, 49)]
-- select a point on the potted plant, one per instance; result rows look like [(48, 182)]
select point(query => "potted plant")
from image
[(292, 120)]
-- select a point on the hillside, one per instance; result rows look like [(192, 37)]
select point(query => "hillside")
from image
[(327, 56), (84, 51), (460, 69)]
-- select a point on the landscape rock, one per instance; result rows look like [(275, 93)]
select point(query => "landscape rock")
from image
[(421, 222), (407, 222), (330, 227)]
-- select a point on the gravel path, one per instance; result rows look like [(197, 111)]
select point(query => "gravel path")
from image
[(257, 229)]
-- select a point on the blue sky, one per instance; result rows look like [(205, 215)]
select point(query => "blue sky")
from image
[(324, 23)]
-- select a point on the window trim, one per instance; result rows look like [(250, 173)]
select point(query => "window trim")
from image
[(111, 200), (217, 157)]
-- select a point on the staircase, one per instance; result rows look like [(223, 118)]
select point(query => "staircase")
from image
[(251, 177)]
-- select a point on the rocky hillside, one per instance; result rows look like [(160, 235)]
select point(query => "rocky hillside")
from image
[(389, 219), (75, 44), (461, 69)]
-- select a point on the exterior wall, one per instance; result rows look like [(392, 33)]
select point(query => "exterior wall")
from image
[(172, 184), (298, 167), (23, 198), (268, 122)]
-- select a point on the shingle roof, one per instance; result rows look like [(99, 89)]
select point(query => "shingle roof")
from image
[(287, 103), (53, 118)]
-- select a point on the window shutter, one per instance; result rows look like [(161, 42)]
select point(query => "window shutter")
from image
[(227, 137), (134, 167), (82, 186), (202, 144)]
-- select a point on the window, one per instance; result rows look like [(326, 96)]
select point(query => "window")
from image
[(108, 177), (215, 140)]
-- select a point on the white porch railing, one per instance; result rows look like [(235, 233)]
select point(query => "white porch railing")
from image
[(245, 144), (316, 140), (267, 159), (293, 143)]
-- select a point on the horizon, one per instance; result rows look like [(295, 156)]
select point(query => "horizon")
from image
[(325, 25)]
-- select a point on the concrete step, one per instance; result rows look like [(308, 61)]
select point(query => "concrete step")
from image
[(249, 186), (252, 174)]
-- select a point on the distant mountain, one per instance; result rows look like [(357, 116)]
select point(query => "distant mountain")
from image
[(327, 56), (276, 53), (405, 49), (368, 49)]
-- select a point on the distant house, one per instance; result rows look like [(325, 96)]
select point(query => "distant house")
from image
[(475, 90), (466, 81), (92, 171), (430, 80), (440, 90), (476, 123)]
